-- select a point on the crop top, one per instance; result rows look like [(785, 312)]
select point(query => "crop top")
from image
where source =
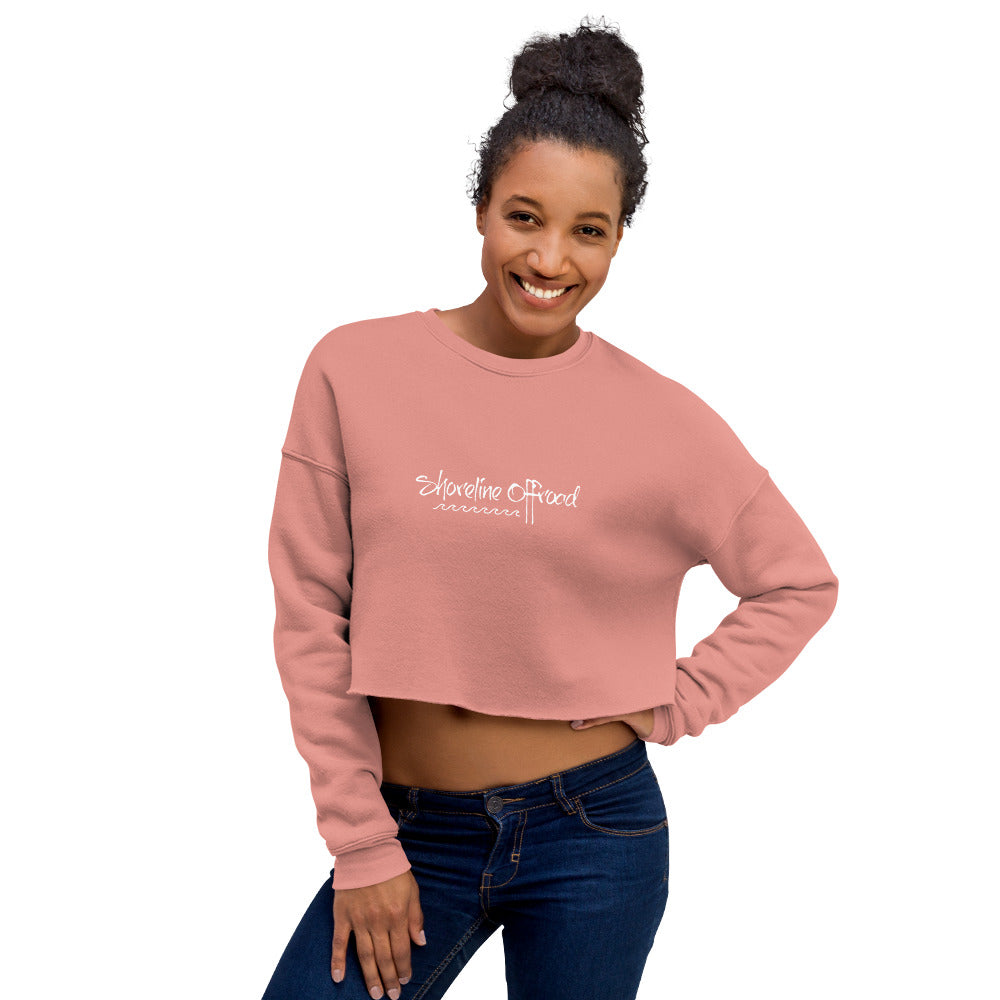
[(509, 535)]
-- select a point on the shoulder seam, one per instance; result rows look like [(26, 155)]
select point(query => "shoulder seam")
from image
[(313, 462), (736, 514)]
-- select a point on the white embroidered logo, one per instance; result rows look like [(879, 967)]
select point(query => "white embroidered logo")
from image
[(526, 495)]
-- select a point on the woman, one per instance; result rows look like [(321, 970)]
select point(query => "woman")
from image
[(482, 521)]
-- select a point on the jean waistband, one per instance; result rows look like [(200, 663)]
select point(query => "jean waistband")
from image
[(560, 784)]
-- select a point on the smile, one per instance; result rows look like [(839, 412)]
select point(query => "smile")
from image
[(541, 293)]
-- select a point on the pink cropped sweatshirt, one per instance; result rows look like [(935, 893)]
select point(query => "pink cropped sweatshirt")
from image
[(510, 535)]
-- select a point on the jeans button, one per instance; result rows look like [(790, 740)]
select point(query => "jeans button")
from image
[(494, 804)]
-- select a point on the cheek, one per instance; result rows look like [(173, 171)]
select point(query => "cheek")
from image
[(594, 278), (496, 255), (597, 274), (489, 263)]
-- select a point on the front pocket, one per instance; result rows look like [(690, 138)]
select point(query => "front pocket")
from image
[(628, 807)]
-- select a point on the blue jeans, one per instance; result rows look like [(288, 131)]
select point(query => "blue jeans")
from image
[(574, 867)]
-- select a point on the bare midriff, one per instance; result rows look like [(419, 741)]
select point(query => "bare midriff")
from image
[(455, 749)]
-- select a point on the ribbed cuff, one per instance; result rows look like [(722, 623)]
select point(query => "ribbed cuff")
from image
[(368, 865), (662, 729)]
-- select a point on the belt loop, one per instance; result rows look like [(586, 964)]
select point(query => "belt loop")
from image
[(411, 798), (560, 796)]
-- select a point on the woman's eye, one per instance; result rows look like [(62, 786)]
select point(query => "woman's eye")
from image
[(591, 231)]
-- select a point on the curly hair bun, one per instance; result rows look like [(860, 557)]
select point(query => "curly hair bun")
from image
[(593, 60), (583, 89)]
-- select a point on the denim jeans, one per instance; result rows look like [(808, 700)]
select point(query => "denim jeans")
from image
[(573, 867)]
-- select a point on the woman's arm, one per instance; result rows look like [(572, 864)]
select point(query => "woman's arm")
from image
[(787, 591), (310, 555)]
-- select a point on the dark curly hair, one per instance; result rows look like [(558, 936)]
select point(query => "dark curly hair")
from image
[(583, 89)]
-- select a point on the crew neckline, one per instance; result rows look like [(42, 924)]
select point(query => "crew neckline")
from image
[(499, 363)]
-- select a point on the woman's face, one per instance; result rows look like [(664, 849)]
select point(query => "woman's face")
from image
[(552, 220)]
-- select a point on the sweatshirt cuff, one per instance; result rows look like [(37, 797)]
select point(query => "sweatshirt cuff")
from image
[(368, 865), (662, 728)]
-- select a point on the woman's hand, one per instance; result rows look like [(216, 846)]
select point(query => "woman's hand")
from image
[(641, 722), (384, 917)]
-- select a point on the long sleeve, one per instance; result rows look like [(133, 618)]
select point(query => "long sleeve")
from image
[(310, 555), (786, 590)]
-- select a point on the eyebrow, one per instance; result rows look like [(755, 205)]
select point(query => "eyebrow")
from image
[(538, 205)]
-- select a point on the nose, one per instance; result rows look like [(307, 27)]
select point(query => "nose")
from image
[(548, 256)]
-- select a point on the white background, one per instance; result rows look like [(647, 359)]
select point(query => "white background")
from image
[(194, 193)]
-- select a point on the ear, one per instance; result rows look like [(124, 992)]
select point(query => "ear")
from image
[(481, 217)]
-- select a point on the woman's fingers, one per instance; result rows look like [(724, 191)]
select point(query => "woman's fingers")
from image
[(414, 932), (341, 935), (382, 918), (641, 722), (380, 970), (399, 946), (588, 723), (417, 917)]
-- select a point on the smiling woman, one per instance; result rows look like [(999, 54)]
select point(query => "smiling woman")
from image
[(550, 226), (474, 694), (543, 265), (558, 179)]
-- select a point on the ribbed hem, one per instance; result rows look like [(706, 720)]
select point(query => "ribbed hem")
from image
[(368, 865)]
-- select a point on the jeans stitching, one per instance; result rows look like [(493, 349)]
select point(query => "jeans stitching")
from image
[(408, 815), (616, 833), (486, 876), (614, 781), (522, 817), (516, 853), (447, 960)]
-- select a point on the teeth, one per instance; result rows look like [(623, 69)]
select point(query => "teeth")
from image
[(541, 293)]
